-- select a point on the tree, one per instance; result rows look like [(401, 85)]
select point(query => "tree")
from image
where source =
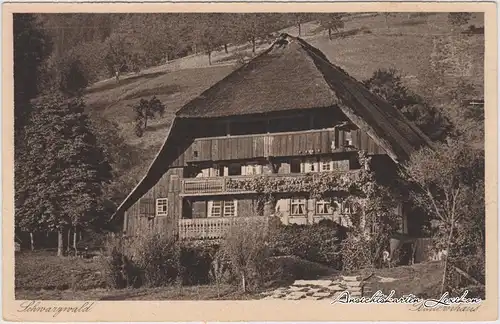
[(64, 169), (331, 22), (253, 26), (207, 33), (458, 19), (450, 182), (386, 17), (299, 19), (31, 48), (144, 110), (389, 85)]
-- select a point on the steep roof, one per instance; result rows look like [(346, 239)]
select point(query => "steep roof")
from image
[(290, 75)]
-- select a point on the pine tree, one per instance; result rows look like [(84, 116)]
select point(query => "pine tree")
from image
[(64, 169)]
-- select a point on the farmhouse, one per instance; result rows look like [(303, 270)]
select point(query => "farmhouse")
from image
[(286, 114)]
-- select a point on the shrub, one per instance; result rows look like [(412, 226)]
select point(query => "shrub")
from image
[(356, 253), (195, 262), (317, 243), (149, 259), (284, 270), (245, 248), (120, 272), (158, 258)]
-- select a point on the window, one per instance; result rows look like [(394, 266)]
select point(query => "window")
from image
[(295, 166), (214, 208), (219, 208), (345, 207), (323, 207), (162, 207), (251, 169), (229, 208), (234, 169), (298, 207), (310, 165), (326, 165)]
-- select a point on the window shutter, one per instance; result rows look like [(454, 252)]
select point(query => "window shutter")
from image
[(235, 208), (209, 208), (147, 207)]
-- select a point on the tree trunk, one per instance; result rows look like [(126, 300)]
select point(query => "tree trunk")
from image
[(68, 245), (145, 122), (209, 58), (329, 33), (32, 242), (300, 29), (74, 240), (60, 243), (448, 252), (225, 49), (253, 44), (243, 282)]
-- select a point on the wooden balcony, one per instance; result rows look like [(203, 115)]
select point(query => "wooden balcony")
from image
[(206, 186), (212, 228)]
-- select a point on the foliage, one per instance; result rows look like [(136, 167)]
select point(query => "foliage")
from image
[(31, 48), (372, 197), (317, 243), (196, 261), (389, 85), (254, 26), (63, 172), (144, 110), (459, 18), (245, 248), (451, 182), (320, 185), (356, 253), (149, 259), (121, 156), (73, 78), (284, 270), (330, 22)]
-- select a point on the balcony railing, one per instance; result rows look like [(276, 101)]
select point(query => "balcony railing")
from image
[(213, 228), (221, 185)]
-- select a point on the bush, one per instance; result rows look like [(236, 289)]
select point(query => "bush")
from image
[(245, 248), (356, 253), (149, 259), (195, 262), (284, 270), (317, 243)]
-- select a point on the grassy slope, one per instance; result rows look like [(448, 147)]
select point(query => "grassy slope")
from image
[(44, 276), (405, 45), (44, 270)]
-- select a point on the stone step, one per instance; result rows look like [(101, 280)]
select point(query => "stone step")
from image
[(353, 283), (322, 283)]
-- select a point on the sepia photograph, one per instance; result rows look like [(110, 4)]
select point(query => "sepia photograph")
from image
[(295, 156)]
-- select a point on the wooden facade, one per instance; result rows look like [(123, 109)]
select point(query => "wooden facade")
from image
[(286, 144), (187, 196)]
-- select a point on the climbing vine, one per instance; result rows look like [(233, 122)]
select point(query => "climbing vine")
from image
[(371, 203)]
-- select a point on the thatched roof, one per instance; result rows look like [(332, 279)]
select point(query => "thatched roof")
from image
[(291, 75)]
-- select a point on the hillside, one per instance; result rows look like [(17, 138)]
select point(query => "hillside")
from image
[(404, 43)]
